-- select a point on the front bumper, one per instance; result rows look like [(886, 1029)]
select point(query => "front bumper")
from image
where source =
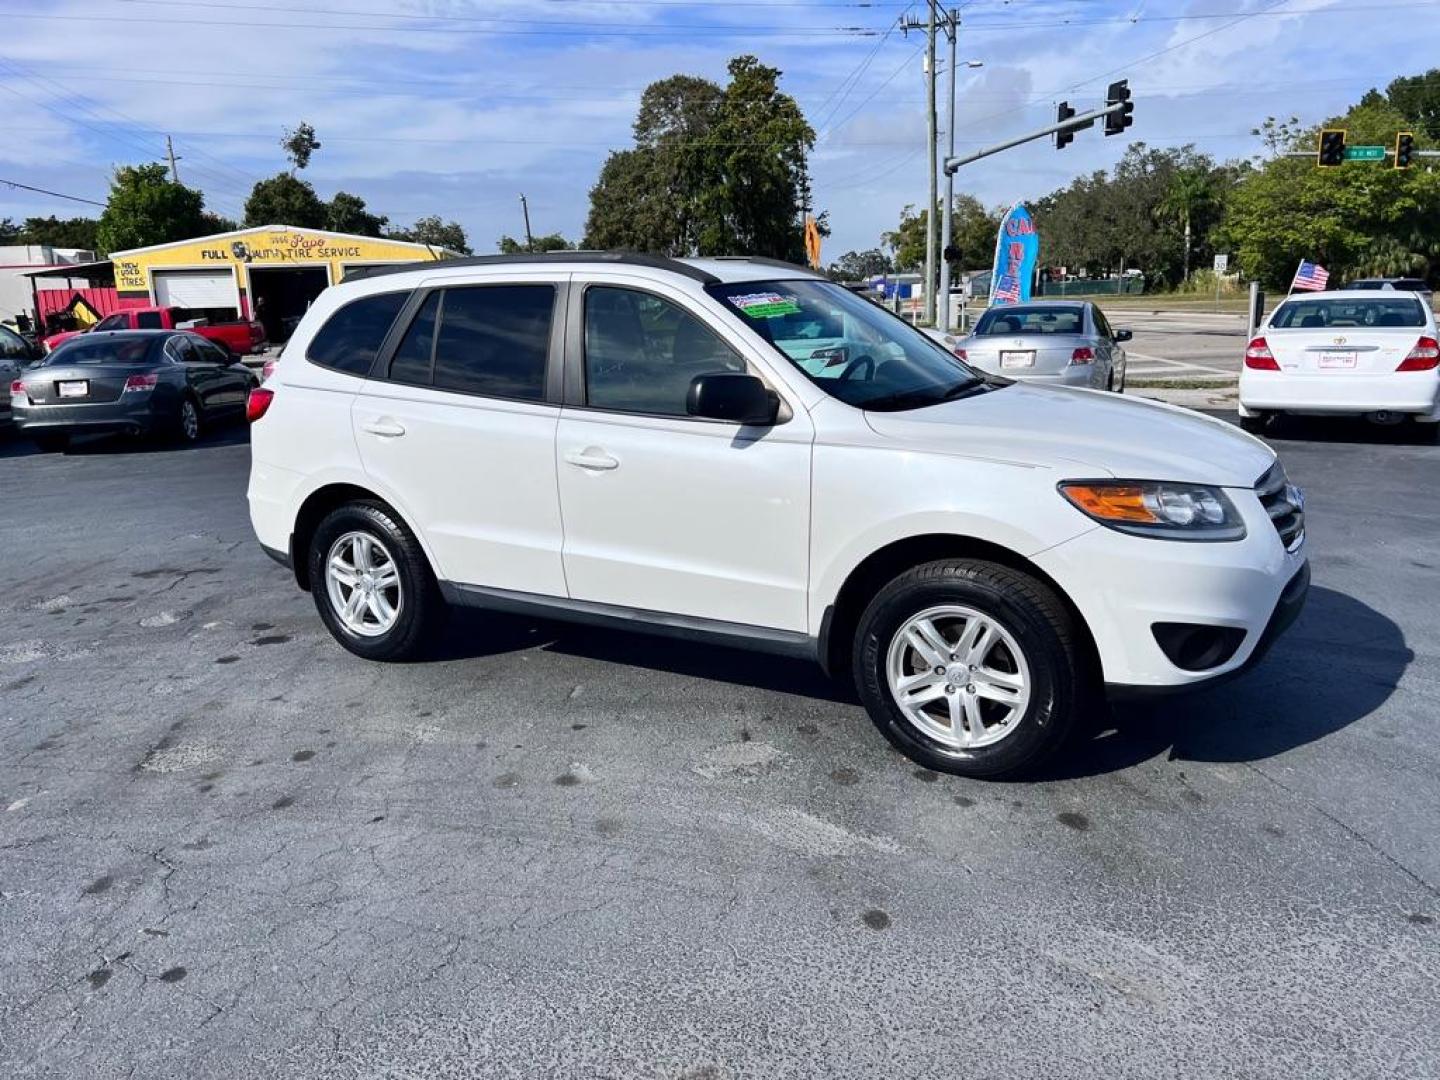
[(1124, 585), (1415, 392)]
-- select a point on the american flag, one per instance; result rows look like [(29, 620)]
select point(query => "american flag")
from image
[(1310, 277)]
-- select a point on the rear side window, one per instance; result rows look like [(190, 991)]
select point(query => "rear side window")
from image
[(494, 340), (411, 362), (148, 320), (354, 334)]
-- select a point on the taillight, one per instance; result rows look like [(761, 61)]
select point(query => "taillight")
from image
[(836, 355), (267, 370), (17, 387), (959, 352), (1083, 355), (1424, 356), (258, 403), (140, 382), (1258, 356)]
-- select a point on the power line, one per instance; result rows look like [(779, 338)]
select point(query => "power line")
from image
[(43, 191)]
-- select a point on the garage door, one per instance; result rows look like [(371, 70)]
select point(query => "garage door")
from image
[(195, 288)]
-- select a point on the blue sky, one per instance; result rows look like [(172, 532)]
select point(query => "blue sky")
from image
[(454, 107)]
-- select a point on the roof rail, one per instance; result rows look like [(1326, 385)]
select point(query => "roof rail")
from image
[(621, 258), (764, 262)]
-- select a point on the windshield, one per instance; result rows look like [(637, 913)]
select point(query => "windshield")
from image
[(1052, 319), (1317, 314), (107, 350), (851, 348)]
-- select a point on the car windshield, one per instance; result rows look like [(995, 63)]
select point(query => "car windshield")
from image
[(852, 349), (1319, 314), (134, 351), (1050, 319)]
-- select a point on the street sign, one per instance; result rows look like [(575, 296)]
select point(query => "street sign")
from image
[(1364, 153), (1222, 263)]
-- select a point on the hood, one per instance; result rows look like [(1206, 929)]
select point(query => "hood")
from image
[(1083, 433)]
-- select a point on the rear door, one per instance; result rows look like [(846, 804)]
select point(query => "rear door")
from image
[(1339, 338), (458, 420)]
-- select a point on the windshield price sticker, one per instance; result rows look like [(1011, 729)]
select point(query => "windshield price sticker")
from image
[(766, 305)]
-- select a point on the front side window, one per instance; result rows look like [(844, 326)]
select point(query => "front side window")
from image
[(354, 334), (494, 340), (642, 352), (1322, 314), (1051, 319), (869, 358)]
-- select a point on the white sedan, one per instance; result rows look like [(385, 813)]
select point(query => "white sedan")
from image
[(1351, 352)]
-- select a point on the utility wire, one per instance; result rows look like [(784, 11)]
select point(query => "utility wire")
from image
[(43, 191)]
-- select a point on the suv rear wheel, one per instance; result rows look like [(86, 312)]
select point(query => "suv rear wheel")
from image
[(372, 584), (969, 667)]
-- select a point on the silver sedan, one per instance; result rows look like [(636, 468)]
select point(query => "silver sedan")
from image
[(1063, 343)]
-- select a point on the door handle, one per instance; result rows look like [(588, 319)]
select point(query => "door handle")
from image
[(386, 429), (592, 458)]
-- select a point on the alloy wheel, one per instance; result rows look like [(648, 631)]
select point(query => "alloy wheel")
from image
[(958, 676), (362, 580)]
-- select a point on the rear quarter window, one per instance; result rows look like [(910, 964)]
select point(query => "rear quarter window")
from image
[(353, 335)]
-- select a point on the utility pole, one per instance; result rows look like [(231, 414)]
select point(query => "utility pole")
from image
[(932, 137), (170, 153), (525, 209), (952, 26)]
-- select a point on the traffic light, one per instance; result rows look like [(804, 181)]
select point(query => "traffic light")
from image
[(1331, 151), (1118, 93), (951, 253), (1404, 149), (1064, 138)]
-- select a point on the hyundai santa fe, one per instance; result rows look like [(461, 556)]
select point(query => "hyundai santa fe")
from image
[(739, 452)]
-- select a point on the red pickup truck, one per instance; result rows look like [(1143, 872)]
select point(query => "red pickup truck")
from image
[(242, 337)]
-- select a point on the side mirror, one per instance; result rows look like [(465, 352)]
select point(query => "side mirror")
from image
[(734, 397), (1123, 335)]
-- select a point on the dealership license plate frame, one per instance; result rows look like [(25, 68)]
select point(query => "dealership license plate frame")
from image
[(1339, 360), (1011, 359), (69, 389)]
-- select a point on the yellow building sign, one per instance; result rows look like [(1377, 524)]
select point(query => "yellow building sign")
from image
[(207, 267)]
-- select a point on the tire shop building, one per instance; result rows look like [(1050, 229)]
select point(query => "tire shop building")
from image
[(268, 273)]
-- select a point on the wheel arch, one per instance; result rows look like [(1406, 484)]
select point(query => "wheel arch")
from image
[(886, 563), (321, 502)]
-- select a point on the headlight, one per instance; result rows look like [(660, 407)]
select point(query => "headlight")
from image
[(1157, 508)]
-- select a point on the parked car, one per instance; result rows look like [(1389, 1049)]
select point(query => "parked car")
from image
[(242, 336), (135, 381), (742, 453), (1066, 343), (1357, 352), (15, 354), (1396, 284)]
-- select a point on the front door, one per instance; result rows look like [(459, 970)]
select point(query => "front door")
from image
[(664, 512), (459, 430)]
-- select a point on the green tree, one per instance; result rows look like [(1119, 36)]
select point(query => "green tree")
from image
[(145, 208), (61, 232), (285, 200), (508, 245), (1191, 191), (9, 232), (347, 213), (972, 231), (859, 265), (299, 144), (714, 170), (447, 235), (1417, 98), (219, 223), (1356, 219)]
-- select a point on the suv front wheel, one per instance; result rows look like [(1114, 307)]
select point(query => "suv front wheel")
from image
[(372, 584), (969, 667)]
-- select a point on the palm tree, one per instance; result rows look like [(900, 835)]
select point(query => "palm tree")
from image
[(1191, 190)]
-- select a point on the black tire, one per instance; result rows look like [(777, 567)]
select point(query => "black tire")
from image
[(1061, 687), (1258, 424), (421, 610), (183, 431), (50, 442)]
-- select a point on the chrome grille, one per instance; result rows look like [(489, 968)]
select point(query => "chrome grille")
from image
[(1284, 503)]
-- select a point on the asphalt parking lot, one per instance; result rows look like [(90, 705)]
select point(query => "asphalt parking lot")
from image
[(230, 849)]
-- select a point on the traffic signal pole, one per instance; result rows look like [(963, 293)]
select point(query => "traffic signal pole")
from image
[(1080, 120)]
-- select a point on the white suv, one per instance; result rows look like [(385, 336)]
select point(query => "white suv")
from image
[(739, 451)]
